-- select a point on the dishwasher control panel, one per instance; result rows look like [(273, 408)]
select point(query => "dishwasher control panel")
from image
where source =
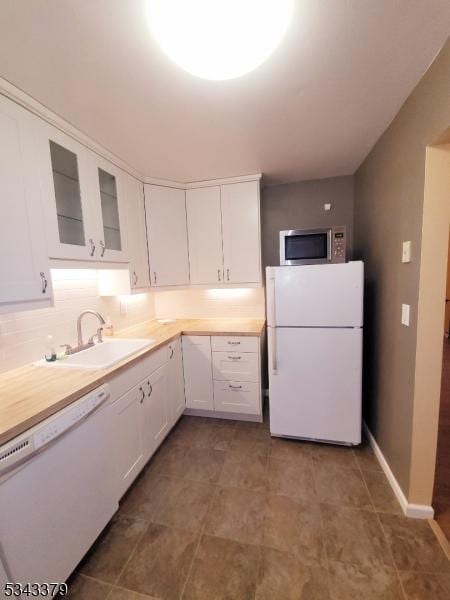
[(24, 446), (70, 417)]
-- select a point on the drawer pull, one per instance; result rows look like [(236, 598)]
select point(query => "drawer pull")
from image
[(235, 387), (234, 343), (235, 357)]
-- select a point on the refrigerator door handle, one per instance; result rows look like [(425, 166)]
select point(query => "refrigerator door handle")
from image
[(273, 344), (272, 303)]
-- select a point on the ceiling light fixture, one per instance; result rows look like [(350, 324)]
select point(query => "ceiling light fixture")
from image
[(219, 39)]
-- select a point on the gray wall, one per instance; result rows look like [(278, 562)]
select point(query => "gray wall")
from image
[(389, 194), (297, 205)]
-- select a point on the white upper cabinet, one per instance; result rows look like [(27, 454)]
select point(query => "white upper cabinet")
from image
[(224, 234), (136, 232), (241, 232), (165, 210), (68, 209), (83, 200), (205, 235), (108, 203), (24, 268)]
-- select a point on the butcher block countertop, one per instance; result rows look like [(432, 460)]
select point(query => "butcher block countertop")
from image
[(30, 394)]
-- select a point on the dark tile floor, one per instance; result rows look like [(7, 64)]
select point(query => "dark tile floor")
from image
[(223, 511)]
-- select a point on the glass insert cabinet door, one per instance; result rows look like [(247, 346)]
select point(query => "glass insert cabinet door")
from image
[(110, 210), (109, 197), (64, 172), (69, 210)]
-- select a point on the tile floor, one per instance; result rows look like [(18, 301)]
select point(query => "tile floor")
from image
[(223, 511)]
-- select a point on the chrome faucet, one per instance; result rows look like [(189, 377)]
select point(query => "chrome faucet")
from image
[(99, 330)]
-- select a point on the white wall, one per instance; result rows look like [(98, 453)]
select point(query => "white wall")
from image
[(212, 303), (23, 334)]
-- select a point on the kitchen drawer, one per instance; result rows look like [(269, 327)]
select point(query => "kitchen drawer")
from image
[(155, 360), (241, 343), (125, 379), (237, 397), (238, 366)]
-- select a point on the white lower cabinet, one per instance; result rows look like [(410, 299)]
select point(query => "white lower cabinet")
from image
[(177, 401), (156, 411), (145, 401), (198, 385), (223, 381), (129, 458)]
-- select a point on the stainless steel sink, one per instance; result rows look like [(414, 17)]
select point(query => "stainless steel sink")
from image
[(101, 356)]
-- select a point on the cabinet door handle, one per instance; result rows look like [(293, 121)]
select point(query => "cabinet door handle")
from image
[(102, 244), (44, 282), (154, 276), (150, 389), (235, 357), (218, 275), (143, 395), (91, 241), (171, 351), (235, 387), (228, 274), (135, 278)]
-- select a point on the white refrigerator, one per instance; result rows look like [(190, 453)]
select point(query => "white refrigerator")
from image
[(315, 319)]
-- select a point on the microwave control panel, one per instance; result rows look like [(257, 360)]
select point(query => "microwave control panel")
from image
[(338, 245)]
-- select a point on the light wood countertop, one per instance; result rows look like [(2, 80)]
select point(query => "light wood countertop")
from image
[(30, 394)]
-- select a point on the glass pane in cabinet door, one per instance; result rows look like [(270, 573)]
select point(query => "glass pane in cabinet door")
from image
[(110, 210), (67, 195)]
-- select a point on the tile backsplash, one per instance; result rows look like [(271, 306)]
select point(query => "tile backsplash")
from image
[(246, 303), (23, 334)]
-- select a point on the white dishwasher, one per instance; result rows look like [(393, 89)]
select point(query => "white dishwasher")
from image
[(56, 491)]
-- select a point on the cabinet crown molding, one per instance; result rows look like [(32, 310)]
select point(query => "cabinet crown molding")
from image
[(14, 93)]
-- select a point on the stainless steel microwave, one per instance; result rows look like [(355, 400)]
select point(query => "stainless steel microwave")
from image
[(313, 246)]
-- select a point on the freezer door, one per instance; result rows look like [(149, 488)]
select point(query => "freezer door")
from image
[(315, 383), (315, 295)]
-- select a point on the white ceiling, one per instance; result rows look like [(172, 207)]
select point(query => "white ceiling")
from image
[(314, 109)]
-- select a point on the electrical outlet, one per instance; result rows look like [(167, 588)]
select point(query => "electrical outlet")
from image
[(327, 206)]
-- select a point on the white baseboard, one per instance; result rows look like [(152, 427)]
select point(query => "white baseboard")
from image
[(415, 511)]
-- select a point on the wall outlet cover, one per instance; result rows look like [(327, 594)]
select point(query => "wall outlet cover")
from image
[(405, 314), (327, 206), (406, 252)]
